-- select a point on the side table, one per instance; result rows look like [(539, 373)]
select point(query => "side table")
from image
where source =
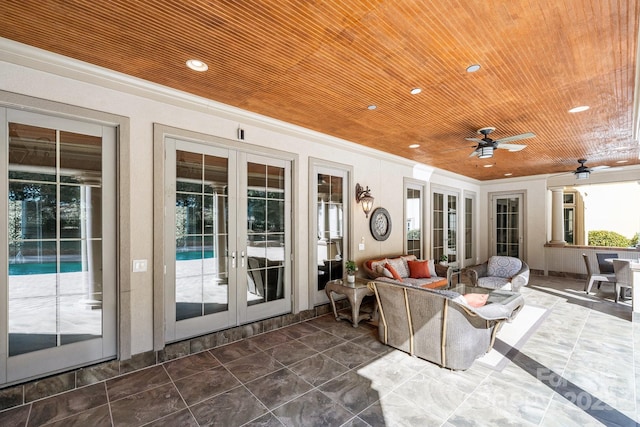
[(354, 292)]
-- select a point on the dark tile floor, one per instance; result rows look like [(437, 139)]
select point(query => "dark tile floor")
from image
[(579, 368)]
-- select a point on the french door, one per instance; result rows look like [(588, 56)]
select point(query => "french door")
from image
[(329, 239), (507, 232), (445, 226), (58, 207), (413, 206), (227, 238)]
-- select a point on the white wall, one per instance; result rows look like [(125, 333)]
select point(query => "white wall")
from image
[(536, 218)]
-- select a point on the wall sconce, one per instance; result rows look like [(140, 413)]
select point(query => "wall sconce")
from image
[(363, 196)]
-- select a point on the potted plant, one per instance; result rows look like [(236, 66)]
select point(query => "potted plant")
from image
[(351, 268), (443, 259)]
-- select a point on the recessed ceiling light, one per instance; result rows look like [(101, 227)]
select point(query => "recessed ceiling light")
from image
[(508, 174), (579, 109), (415, 91), (197, 65), (473, 68), (622, 161), (414, 146), (488, 166), (372, 107)]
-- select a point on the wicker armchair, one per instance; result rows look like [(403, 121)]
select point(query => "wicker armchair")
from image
[(499, 272)]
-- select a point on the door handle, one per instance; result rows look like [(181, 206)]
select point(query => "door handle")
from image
[(233, 259), (242, 259)]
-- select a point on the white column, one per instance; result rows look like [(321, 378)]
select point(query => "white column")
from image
[(557, 217)]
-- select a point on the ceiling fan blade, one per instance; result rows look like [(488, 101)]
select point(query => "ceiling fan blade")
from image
[(512, 147), (516, 137), (474, 139), (474, 153), (597, 168)]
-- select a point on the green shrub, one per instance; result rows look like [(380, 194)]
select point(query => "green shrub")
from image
[(635, 239), (608, 238)]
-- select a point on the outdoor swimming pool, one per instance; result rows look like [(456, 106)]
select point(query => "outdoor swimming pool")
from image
[(24, 268)]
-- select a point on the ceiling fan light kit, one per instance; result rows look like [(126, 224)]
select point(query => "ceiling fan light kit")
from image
[(486, 145), (485, 152), (582, 172)]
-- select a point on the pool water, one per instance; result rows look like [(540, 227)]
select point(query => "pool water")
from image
[(26, 268), (43, 268)]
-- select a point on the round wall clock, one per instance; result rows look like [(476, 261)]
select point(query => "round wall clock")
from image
[(380, 224)]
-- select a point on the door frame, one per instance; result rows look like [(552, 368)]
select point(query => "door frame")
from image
[(315, 165), (522, 196), (115, 341)]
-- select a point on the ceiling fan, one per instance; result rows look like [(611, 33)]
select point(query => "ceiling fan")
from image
[(486, 145), (583, 172)]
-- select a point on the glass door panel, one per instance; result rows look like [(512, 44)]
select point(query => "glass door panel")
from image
[(413, 218), (445, 226), (266, 233), (438, 226), (263, 275), (58, 266), (468, 228), (508, 225), (330, 197), (201, 227), (452, 229)]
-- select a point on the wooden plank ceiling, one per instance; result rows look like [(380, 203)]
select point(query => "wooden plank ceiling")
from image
[(320, 64)]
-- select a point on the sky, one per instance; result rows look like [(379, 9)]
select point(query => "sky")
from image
[(613, 207)]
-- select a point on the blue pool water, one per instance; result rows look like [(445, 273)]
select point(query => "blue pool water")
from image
[(189, 255), (74, 267), (43, 268)]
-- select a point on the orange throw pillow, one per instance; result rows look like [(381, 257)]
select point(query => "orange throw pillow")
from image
[(393, 272), (476, 300), (419, 269)]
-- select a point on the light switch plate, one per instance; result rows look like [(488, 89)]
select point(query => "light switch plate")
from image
[(361, 246), (139, 265)]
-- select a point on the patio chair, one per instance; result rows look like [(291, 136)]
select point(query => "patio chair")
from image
[(591, 277), (622, 271), (606, 267)]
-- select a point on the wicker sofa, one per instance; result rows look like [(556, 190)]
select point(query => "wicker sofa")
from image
[(436, 326), (499, 272), (439, 276)]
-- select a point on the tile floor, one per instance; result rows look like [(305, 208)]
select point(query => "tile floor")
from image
[(578, 369)]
